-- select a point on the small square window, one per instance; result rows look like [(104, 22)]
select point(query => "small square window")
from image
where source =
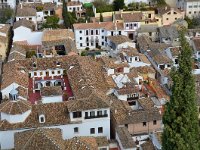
[(154, 122), (76, 130), (144, 124), (99, 113), (102, 30), (105, 112), (92, 113), (92, 130), (100, 129)]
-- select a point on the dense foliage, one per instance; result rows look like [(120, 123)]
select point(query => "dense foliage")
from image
[(102, 6), (181, 129), (51, 22), (5, 14), (118, 4)]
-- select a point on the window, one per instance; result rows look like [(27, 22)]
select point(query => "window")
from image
[(80, 38), (175, 18), (41, 73), (195, 6), (102, 37), (92, 32), (35, 73), (167, 18), (102, 43), (92, 44), (99, 113), (80, 31), (126, 25), (77, 114), (29, 18), (190, 6), (42, 119), (112, 33), (52, 72), (190, 12), (87, 44), (169, 13), (144, 124), (97, 32), (81, 44), (120, 33), (100, 129), (105, 112), (154, 122), (58, 72), (86, 114), (76, 130), (92, 130), (102, 30), (92, 113), (150, 33), (87, 39), (135, 24), (195, 12), (86, 32)]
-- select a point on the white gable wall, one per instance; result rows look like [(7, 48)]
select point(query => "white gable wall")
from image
[(6, 91)]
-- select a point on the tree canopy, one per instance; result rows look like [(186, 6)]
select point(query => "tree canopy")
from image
[(118, 4), (66, 16), (102, 6), (51, 22), (181, 129)]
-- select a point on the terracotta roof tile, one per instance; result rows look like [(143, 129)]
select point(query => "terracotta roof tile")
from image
[(55, 114), (132, 17), (119, 39), (91, 102), (101, 25), (41, 138), (14, 107), (125, 138), (51, 91)]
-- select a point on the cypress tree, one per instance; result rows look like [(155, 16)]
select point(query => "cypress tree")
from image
[(181, 129), (66, 15), (101, 17)]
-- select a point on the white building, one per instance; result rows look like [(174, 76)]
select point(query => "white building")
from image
[(86, 117), (23, 31), (94, 35), (74, 6), (191, 7), (8, 3)]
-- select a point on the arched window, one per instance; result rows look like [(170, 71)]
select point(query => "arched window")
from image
[(41, 118)]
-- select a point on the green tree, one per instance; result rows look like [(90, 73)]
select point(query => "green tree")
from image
[(51, 22), (102, 6), (160, 2), (66, 16), (5, 14), (101, 17), (181, 129), (118, 4)]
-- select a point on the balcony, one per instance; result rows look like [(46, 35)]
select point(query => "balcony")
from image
[(98, 116)]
